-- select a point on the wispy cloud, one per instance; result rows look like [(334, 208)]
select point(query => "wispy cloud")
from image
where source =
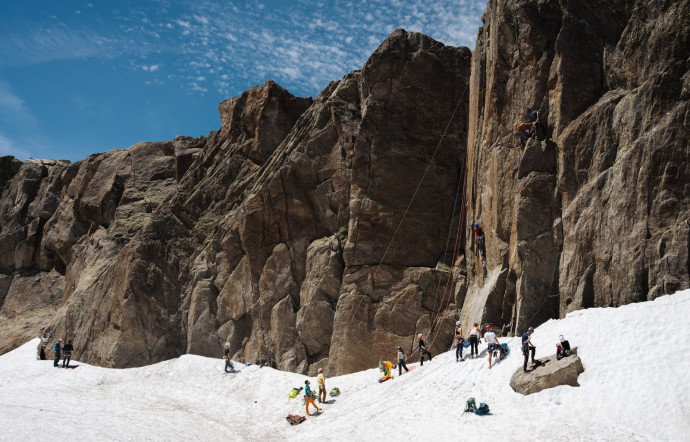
[(13, 110), (150, 68), (7, 147)]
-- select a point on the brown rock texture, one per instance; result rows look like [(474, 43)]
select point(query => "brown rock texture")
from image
[(595, 214), (281, 233), (551, 373)]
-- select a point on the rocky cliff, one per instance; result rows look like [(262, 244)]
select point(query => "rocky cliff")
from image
[(320, 232), (596, 214), (280, 233)]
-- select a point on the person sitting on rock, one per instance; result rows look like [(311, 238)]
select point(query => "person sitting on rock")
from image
[(459, 341), (67, 353), (564, 345), (387, 368), (528, 347), (492, 343), (229, 368), (479, 241), (423, 349), (309, 397)]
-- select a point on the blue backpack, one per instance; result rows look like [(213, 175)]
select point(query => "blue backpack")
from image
[(483, 409)]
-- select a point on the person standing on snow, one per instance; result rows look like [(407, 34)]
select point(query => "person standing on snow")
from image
[(321, 380), (401, 361), (67, 353), (527, 347), (226, 356), (309, 397), (459, 341), (474, 336), (422, 348), (493, 343), (57, 349)]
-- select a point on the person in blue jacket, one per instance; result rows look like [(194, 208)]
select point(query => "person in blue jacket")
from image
[(57, 350)]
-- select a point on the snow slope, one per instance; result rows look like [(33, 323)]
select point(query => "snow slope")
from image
[(634, 388)]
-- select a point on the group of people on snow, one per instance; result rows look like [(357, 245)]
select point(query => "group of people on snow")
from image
[(60, 351)]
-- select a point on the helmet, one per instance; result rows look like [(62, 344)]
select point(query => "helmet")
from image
[(380, 363), (561, 338), (457, 322), (227, 344), (419, 335), (476, 224), (320, 370), (531, 329), (399, 348)]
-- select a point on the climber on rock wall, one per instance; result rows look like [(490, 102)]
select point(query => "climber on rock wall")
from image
[(479, 241)]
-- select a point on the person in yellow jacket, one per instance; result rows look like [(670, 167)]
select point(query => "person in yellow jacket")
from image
[(321, 380), (387, 368)]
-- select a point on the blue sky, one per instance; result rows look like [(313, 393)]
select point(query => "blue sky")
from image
[(79, 77)]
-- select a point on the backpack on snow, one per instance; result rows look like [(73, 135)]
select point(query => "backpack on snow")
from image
[(335, 391), (483, 409), (471, 406), (295, 391)]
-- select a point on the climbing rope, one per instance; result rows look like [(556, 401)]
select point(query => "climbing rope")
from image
[(378, 266)]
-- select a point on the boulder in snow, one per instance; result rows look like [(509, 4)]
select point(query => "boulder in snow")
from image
[(549, 374)]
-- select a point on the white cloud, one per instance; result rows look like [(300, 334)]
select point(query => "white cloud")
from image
[(151, 68), (13, 109)]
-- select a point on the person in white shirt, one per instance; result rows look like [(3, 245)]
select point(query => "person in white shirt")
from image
[(475, 335), (492, 342)]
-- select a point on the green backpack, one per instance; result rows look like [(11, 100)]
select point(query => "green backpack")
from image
[(471, 406)]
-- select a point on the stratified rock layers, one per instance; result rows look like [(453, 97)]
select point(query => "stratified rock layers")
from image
[(597, 214), (281, 233)]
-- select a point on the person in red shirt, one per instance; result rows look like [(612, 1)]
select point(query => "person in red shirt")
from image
[(479, 240)]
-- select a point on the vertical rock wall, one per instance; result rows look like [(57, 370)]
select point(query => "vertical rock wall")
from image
[(597, 213)]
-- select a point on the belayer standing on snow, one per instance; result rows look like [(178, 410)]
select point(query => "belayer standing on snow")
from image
[(480, 244), (401, 361), (459, 341), (422, 348), (527, 347), (474, 336), (226, 356), (309, 397), (321, 380), (492, 343), (67, 353), (56, 350)]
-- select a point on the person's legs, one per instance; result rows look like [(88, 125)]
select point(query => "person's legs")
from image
[(428, 353), (227, 365), (402, 364), (322, 391), (526, 353), (490, 353), (533, 349), (458, 351), (65, 362)]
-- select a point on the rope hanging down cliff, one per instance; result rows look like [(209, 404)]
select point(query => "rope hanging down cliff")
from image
[(426, 170)]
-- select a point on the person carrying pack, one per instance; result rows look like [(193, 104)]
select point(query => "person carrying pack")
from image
[(459, 341), (57, 348)]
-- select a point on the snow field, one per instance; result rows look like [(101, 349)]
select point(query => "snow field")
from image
[(634, 387)]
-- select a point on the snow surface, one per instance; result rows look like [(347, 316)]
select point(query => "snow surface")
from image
[(634, 388)]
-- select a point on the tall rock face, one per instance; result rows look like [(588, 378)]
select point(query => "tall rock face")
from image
[(289, 233), (595, 214)]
